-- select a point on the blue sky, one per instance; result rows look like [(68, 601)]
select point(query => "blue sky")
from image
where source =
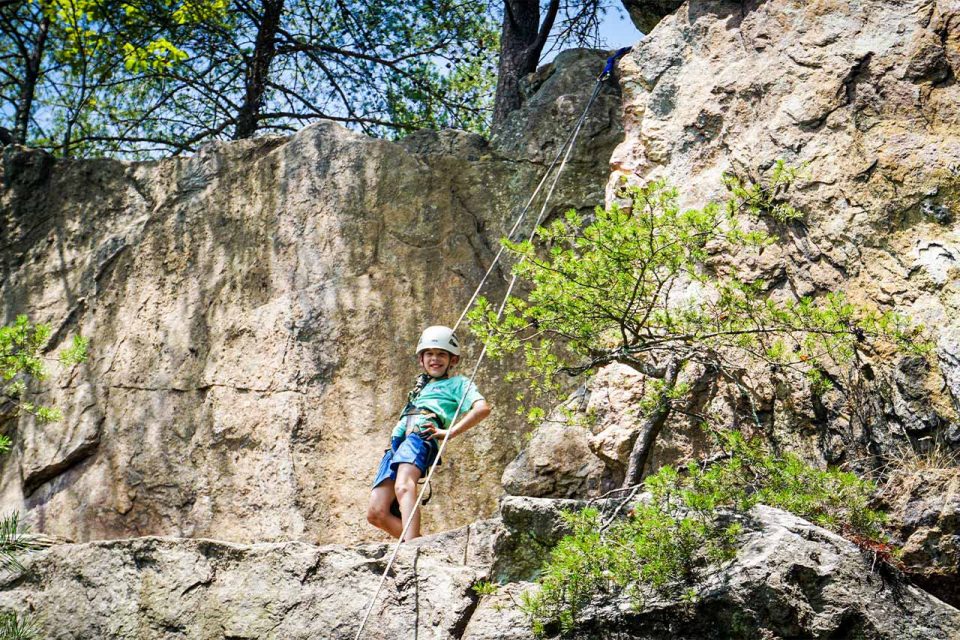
[(617, 29)]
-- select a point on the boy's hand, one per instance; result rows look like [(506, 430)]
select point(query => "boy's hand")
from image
[(430, 431)]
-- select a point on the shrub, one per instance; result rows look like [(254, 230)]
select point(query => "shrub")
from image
[(689, 526), (14, 626)]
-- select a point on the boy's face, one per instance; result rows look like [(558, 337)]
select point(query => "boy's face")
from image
[(435, 362)]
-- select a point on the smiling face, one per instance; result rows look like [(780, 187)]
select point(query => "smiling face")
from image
[(435, 362)]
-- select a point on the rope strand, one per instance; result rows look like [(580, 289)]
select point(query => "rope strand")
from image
[(523, 212), (564, 151)]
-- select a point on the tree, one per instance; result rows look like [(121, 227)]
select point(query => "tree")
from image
[(25, 28), (168, 75), (608, 290), (522, 39), (525, 35), (64, 62)]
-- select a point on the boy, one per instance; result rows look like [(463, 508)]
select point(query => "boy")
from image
[(425, 422)]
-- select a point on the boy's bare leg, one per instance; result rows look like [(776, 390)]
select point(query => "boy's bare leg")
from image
[(378, 512), (406, 489)]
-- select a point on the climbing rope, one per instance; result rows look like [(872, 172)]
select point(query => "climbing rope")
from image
[(563, 154), (568, 144)]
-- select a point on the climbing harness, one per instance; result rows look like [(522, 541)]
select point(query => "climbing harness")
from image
[(563, 154), (411, 411)]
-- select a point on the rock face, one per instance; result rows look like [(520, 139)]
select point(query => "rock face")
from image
[(252, 312), (865, 95), (924, 507), (645, 14), (789, 580), (163, 588)]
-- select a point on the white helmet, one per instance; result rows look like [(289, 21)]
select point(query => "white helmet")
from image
[(439, 337)]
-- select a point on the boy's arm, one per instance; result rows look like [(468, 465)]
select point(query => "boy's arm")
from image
[(478, 412)]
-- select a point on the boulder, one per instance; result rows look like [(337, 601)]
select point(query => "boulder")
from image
[(556, 463), (165, 588), (530, 528), (646, 14), (924, 510)]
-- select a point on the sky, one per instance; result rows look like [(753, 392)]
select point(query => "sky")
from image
[(617, 29)]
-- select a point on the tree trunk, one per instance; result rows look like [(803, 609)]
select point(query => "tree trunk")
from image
[(28, 88), (651, 429), (521, 42), (258, 69)]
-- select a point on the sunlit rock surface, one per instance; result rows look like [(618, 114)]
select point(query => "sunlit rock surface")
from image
[(790, 580), (864, 96), (252, 312)]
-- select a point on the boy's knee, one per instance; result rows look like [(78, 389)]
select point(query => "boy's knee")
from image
[(376, 516), (405, 488)]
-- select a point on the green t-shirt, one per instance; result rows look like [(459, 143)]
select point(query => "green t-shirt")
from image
[(442, 397)]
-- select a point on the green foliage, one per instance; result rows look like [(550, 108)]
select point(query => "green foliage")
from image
[(766, 198), (76, 70), (485, 588), (21, 359), (14, 626), (15, 540), (607, 290), (689, 526), (468, 82), (76, 352), (139, 78), (88, 33)]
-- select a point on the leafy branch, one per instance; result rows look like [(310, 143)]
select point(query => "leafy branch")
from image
[(634, 285), (22, 360), (689, 523), (15, 540)]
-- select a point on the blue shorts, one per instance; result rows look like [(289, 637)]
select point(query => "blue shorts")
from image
[(410, 450)]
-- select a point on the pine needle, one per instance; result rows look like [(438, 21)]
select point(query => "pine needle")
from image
[(15, 540), (14, 626)]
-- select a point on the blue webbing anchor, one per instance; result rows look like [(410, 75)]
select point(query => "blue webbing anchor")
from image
[(612, 60)]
